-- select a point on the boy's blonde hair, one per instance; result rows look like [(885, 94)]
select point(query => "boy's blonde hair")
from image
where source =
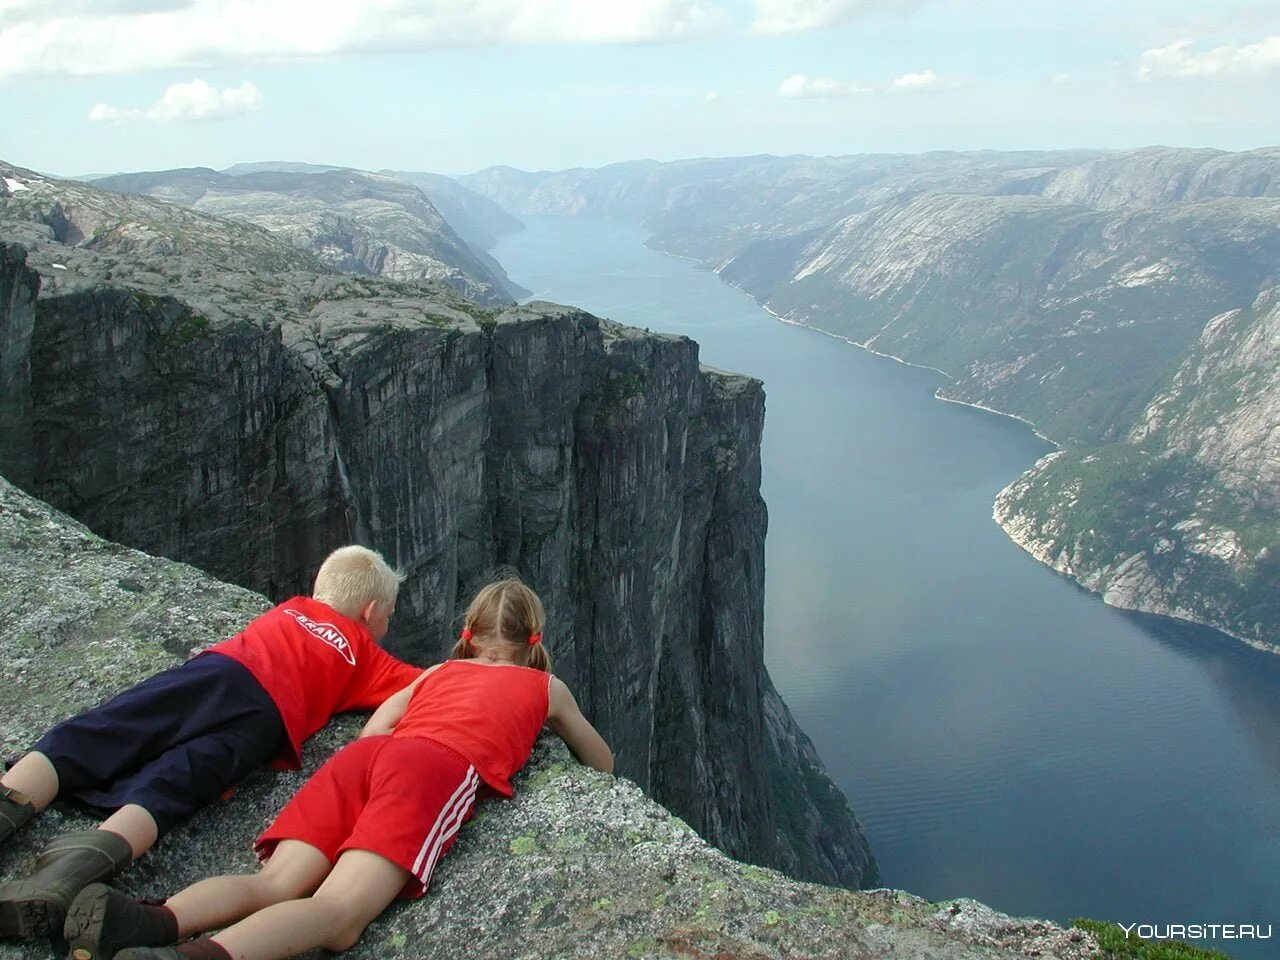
[(507, 612), (352, 576)]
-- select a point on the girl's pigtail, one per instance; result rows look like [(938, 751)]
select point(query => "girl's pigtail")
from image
[(463, 649), (538, 658)]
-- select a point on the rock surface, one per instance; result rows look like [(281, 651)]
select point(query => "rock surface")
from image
[(580, 864), (248, 419)]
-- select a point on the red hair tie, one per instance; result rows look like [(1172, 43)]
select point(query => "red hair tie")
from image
[(466, 634), (535, 638)]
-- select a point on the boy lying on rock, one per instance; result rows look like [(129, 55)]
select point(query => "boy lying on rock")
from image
[(176, 742)]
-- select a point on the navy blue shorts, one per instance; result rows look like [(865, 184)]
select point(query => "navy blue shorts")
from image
[(172, 744)]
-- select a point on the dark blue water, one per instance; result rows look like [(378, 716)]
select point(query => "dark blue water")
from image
[(1001, 733)]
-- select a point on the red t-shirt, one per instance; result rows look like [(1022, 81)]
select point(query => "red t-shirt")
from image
[(314, 662), (487, 713)]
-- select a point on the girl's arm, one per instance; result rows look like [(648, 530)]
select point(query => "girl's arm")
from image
[(386, 717), (564, 717)]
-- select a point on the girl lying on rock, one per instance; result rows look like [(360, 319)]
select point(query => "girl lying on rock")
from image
[(373, 822)]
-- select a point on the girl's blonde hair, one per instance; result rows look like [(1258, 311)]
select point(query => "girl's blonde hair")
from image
[(506, 612), (352, 576)]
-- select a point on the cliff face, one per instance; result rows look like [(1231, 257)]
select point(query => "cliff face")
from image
[(249, 421), (579, 864), (18, 288)]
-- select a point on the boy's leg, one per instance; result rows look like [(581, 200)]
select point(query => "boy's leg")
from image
[(103, 921), (166, 789), (136, 825), (34, 775), (25, 790), (357, 890), (36, 905)]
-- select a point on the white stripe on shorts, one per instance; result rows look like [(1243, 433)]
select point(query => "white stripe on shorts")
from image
[(452, 827), (469, 780)]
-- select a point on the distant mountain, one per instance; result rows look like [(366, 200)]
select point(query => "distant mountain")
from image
[(480, 221), (1122, 302), (357, 222), (280, 166)]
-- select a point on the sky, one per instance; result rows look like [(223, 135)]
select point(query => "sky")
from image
[(453, 86)]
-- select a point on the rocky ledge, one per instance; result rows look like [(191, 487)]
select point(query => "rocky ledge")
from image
[(580, 864)]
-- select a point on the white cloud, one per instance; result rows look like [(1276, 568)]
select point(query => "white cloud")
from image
[(124, 36), (798, 87), (1181, 59), (712, 97), (924, 81), (1058, 79), (790, 16), (195, 100)]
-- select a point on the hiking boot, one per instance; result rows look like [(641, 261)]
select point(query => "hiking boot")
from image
[(15, 810), (37, 905), (102, 921)]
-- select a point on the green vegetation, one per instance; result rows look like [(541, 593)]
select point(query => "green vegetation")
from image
[(524, 845), (1117, 945), (615, 394), (1105, 504)]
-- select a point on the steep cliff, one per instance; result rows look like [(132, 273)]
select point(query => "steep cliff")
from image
[(579, 864), (247, 420)]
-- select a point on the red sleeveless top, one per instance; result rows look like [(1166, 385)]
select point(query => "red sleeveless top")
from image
[(488, 714)]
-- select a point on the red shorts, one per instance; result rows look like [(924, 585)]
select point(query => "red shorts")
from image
[(403, 798)]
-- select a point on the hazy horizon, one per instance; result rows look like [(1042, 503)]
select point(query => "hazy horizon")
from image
[(89, 175)]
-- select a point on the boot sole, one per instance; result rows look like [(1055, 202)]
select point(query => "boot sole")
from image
[(83, 927), (24, 915)]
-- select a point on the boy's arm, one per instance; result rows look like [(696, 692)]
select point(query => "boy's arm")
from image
[(386, 717), (564, 717), (379, 676)]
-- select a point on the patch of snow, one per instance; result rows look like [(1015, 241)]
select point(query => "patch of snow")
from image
[(15, 185), (58, 266)]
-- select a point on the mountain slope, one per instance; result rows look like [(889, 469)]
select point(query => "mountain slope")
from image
[(357, 222)]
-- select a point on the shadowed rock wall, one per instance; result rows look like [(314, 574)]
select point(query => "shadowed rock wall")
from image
[(616, 474)]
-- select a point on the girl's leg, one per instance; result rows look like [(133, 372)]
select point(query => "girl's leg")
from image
[(359, 887), (294, 870), (103, 921)]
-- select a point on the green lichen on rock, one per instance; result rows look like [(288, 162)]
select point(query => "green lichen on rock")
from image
[(578, 864)]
